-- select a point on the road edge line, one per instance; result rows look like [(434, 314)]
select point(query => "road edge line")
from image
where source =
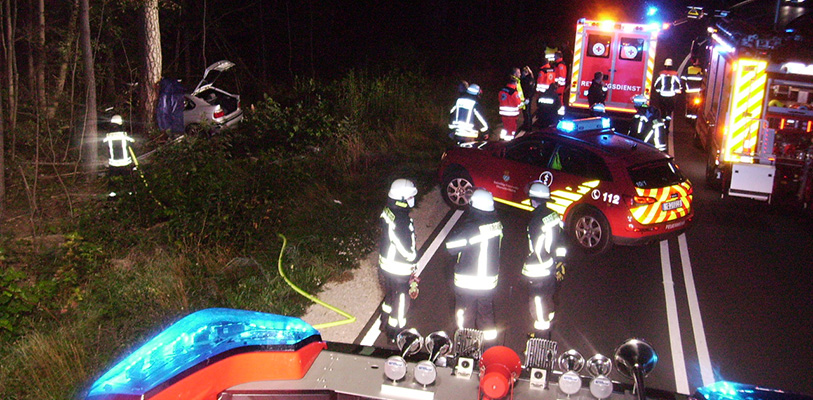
[(703, 356), (675, 341)]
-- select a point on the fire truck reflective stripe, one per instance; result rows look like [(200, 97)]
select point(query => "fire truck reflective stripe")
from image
[(746, 106), (577, 57), (650, 67), (654, 213)]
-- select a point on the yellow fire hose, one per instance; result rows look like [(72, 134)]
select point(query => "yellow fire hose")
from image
[(348, 318)]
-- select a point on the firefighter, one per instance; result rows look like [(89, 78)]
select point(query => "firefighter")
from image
[(467, 121), (667, 86), (560, 70), (692, 81), (476, 246), (544, 267), (549, 108), (510, 104), (527, 82), (647, 124), (397, 255)]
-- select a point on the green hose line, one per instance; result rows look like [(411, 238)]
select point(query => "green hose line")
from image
[(349, 319), (143, 179)]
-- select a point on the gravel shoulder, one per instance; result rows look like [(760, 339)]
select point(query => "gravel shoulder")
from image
[(362, 295)]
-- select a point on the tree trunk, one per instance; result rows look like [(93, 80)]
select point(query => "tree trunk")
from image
[(152, 63), (66, 51), (11, 65), (41, 59), (90, 138), (2, 164)]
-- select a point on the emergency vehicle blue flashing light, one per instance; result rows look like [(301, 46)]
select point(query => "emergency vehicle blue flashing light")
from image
[(652, 10), (194, 339), (566, 126), (726, 390)]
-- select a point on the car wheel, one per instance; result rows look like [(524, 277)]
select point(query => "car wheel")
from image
[(713, 172), (457, 189), (590, 231)]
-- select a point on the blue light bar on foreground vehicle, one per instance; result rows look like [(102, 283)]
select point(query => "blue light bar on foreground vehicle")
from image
[(200, 338), (723, 390), (585, 124)]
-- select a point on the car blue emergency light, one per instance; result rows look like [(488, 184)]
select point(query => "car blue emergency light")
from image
[(200, 338), (725, 390), (585, 124)]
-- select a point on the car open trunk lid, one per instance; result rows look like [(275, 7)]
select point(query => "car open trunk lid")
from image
[(211, 74)]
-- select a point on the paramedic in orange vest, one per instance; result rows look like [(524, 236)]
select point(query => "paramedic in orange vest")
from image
[(560, 70), (510, 103), (667, 86), (546, 77)]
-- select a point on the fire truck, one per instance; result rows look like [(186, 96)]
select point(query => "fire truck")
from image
[(624, 52), (756, 116)]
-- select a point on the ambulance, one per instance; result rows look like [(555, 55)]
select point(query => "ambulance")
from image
[(624, 52), (756, 117)]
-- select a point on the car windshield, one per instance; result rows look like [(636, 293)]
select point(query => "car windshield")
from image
[(656, 174)]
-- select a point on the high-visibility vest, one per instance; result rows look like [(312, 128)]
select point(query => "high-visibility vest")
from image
[(509, 101), (667, 84), (545, 78)]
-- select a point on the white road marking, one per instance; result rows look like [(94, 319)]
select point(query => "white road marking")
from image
[(375, 329), (678, 362), (704, 359), (433, 247), (372, 334)]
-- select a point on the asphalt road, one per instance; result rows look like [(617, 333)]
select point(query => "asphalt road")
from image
[(728, 300)]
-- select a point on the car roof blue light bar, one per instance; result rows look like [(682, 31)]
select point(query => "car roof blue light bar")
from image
[(196, 338), (585, 124)]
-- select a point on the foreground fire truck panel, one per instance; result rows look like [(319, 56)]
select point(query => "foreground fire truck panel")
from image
[(756, 119), (624, 52)]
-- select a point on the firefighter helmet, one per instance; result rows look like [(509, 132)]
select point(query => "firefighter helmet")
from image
[(403, 190), (482, 200), (667, 62), (539, 190), (116, 120), (474, 89)]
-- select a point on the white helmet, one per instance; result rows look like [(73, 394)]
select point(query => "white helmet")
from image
[(482, 200), (116, 119), (403, 190), (667, 62), (539, 190), (474, 89)]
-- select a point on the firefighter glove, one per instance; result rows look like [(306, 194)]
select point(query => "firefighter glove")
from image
[(560, 271)]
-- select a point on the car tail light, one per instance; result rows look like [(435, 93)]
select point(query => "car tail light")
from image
[(219, 113), (637, 201)]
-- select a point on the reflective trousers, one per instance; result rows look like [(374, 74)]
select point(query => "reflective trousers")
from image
[(396, 303), (541, 300), (474, 309)]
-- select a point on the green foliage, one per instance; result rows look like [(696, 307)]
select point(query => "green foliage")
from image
[(196, 226)]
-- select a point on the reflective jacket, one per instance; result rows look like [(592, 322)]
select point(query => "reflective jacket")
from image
[(692, 79), (547, 75), (561, 75), (510, 101), (476, 244), (397, 253), (545, 239), (667, 84), (466, 117)]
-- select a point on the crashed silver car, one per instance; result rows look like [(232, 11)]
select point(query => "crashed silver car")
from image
[(210, 109)]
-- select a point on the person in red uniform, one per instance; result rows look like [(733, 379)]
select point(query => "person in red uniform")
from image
[(561, 75), (546, 76), (510, 103)]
